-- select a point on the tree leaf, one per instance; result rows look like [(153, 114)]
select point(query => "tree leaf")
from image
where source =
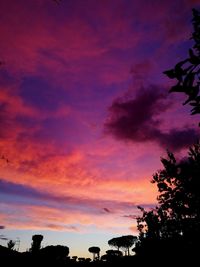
[(177, 88), (195, 60), (170, 73)]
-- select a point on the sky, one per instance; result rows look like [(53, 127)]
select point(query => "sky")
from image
[(85, 115)]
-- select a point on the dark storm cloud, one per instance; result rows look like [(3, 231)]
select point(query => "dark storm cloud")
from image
[(135, 119)]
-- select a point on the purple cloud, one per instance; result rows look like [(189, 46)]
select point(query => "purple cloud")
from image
[(132, 118), (37, 197), (26, 191), (135, 119), (177, 139)]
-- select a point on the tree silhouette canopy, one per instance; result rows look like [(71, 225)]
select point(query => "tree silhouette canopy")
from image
[(36, 244), (124, 242), (187, 72), (176, 219), (95, 251)]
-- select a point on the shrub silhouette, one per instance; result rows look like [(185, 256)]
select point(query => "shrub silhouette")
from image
[(74, 258), (57, 252), (111, 255), (81, 259), (115, 253)]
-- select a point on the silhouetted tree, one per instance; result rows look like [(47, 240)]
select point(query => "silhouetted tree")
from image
[(123, 242), (176, 219), (127, 241), (95, 251), (115, 242), (11, 244), (187, 72), (36, 244)]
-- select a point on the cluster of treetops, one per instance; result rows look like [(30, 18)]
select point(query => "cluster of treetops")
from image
[(122, 243)]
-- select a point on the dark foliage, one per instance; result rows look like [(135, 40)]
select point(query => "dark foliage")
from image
[(187, 72), (95, 251), (36, 244), (173, 227), (55, 252), (49, 256), (124, 242)]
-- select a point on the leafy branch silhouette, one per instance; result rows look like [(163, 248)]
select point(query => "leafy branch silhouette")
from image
[(187, 72)]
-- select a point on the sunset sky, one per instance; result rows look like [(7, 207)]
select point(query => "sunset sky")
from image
[(85, 115)]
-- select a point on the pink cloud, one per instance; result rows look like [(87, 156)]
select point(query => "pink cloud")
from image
[(72, 220)]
